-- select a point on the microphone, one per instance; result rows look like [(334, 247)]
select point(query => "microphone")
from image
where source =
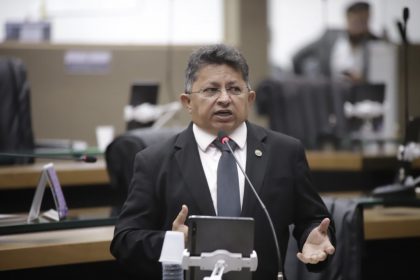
[(224, 139), (402, 26), (406, 14), (75, 157)]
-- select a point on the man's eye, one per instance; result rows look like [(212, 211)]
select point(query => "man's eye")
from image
[(211, 90), (234, 90)]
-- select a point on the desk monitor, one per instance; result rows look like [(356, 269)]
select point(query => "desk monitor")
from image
[(210, 233), (142, 92)]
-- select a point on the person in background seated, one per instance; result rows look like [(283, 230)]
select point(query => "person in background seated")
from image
[(339, 54), (178, 177)]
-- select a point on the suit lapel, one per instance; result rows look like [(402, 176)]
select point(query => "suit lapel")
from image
[(189, 163), (256, 164)]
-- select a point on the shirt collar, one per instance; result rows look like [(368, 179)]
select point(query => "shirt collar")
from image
[(204, 139)]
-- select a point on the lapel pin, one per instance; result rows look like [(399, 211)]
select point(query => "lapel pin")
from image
[(258, 153)]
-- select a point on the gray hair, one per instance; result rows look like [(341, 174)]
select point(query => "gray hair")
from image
[(215, 54)]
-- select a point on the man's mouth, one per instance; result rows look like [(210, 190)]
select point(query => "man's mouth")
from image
[(223, 113)]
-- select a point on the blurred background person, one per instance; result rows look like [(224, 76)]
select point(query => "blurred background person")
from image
[(339, 53)]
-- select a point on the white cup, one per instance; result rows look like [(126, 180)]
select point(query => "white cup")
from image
[(173, 248), (104, 136)]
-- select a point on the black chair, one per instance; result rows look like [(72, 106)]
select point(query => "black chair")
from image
[(313, 110), (309, 110), (16, 134), (120, 154)]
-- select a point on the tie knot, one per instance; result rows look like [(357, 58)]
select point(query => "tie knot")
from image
[(223, 147)]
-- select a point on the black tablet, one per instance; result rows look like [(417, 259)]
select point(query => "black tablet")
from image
[(210, 233)]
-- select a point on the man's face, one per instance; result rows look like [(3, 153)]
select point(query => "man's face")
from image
[(222, 111), (358, 24)]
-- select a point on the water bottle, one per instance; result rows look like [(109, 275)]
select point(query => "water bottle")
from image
[(172, 271)]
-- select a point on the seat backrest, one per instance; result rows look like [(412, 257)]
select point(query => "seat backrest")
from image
[(16, 133), (142, 92), (120, 154), (304, 109)]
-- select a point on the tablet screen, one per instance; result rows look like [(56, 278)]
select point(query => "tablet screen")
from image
[(210, 233)]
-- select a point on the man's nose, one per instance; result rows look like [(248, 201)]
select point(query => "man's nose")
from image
[(224, 95)]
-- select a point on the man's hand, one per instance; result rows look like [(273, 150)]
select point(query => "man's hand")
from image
[(179, 222), (317, 245)]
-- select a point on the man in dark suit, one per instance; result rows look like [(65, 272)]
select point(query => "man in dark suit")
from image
[(178, 177), (339, 54)]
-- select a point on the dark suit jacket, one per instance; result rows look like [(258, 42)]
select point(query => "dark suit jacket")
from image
[(170, 174), (315, 58)]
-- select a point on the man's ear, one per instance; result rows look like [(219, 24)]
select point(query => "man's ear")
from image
[(186, 101), (251, 97)]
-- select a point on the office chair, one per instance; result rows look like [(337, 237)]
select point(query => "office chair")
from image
[(309, 110), (120, 154), (16, 134)]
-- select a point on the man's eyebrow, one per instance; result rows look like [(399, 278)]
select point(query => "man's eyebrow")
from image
[(234, 82)]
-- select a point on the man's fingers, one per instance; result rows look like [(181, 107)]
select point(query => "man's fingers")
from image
[(330, 250), (323, 226), (301, 258), (322, 256), (182, 216), (312, 259)]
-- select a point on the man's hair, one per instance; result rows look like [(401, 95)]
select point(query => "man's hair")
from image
[(357, 7), (215, 54)]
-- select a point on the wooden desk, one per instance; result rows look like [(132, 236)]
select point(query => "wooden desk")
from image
[(349, 161), (79, 173), (385, 222), (60, 247), (69, 173), (391, 222), (75, 246)]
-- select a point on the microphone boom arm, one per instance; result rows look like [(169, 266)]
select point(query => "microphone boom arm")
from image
[(280, 262)]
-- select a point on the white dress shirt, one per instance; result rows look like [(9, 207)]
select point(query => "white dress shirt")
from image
[(210, 155), (344, 57)]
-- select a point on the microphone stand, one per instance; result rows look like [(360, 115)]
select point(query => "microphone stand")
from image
[(408, 151), (225, 140), (405, 165)]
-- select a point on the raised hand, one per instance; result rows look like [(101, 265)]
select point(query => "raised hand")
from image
[(317, 245)]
